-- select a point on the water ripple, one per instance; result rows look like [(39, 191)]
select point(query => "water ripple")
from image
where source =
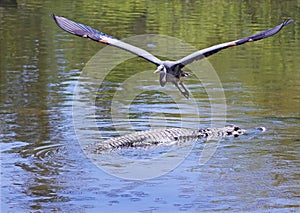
[(46, 150)]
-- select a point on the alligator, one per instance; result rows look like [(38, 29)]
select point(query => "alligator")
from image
[(165, 137)]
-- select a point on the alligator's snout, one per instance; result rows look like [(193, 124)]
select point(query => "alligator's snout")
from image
[(261, 128), (236, 131)]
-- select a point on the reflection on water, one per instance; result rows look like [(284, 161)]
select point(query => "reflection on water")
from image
[(43, 168)]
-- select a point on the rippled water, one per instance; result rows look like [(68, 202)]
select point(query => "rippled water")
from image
[(46, 119)]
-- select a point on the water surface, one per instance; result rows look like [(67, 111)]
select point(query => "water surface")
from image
[(43, 168)]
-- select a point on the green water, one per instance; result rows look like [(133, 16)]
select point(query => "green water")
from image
[(43, 168)]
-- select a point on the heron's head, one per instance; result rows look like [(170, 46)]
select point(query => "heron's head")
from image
[(160, 69)]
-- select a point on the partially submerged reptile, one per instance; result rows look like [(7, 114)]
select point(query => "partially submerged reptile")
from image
[(165, 137)]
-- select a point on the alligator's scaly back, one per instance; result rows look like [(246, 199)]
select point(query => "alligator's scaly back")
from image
[(163, 137)]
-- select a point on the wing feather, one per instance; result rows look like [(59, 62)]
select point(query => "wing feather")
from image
[(214, 49), (91, 33)]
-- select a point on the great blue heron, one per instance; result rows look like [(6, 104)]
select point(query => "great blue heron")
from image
[(170, 71)]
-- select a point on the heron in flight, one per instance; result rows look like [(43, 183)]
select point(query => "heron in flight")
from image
[(169, 71)]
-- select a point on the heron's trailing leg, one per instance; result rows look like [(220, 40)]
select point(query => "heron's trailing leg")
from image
[(180, 86)]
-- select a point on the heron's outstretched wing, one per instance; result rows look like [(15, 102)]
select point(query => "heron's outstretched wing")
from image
[(88, 32), (214, 49)]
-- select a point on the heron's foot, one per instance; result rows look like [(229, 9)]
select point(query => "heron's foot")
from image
[(180, 86), (186, 94), (185, 74)]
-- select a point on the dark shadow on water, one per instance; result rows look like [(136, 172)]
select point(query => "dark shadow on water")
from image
[(8, 3)]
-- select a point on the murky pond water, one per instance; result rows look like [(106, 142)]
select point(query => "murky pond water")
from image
[(53, 103)]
